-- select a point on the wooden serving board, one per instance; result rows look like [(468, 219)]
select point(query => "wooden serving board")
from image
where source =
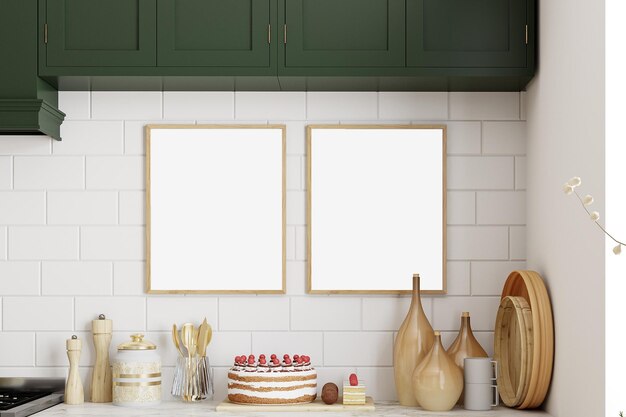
[(316, 405)]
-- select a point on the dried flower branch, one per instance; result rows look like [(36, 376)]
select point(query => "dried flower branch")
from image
[(570, 188)]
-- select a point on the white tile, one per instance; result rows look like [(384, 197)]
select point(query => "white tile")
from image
[(254, 313), (504, 138), (198, 105), (115, 172), (458, 274), (485, 339), (75, 104), (270, 105), (388, 313), (126, 105), (461, 207), (76, 278), (480, 173), (121, 243), (165, 311), (341, 105), (358, 349), (294, 173), (37, 313), (463, 138), (484, 106), (447, 312), (501, 207), (19, 278), (43, 243), (51, 348), (296, 138), (6, 173), (523, 101), (127, 313), (129, 278), (52, 173), (296, 207), (132, 207), (518, 242), (22, 207), (3, 243), (25, 145), (17, 349), (520, 172), (301, 249), (379, 382), (291, 343), (290, 243), (413, 105), (33, 372), (90, 138), (477, 242), (225, 346), (134, 134), (488, 277), (296, 277), (220, 382), (82, 207), (325, 313)]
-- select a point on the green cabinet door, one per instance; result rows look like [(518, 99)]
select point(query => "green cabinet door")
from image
[(215, 33), (466, 33), (98, 33), (344, 33)]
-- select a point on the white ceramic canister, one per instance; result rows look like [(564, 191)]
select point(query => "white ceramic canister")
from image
[(136, 374)]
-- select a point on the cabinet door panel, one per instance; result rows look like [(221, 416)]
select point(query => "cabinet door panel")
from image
[(466, 33), (214, 33), (344, 33), (90, 33)]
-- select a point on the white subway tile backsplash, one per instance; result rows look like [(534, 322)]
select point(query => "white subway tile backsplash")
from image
[(388, 313), (43, 243), (501, 207), (291, 343), (337, 375), (523, 100), (225, 346), (163, 312), (463, 138), (461, 207), (254, 313), (477, 243), (301, 248), (17, 349), (458, 274), (294, 172), (518, 242), (115, 173), (341, 105), (296, 137), (488, 277), (504, 138), (49, 173), (82, 207), (77, 278), (19, 278), (296, 207), (22, 207), (480, 173), (129, 278), (296, 277), (75, 104), (25, 145), (358, 349), (447, 312), (37, 313), (484, 106), (256, 105), (413, 105), (290, 243), (186, 105), (325, 313), (3, 243), (520, 172), (50, 349), (126, 105), (90, 138), (119, 243), (379, 380), (6, 173), (132, 207), (127, 313)]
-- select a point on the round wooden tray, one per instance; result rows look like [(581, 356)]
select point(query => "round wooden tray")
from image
[(530, 286), (513, 349)]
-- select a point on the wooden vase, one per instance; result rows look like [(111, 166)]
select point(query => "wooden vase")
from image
[(74, 393), (465, 345), (414, 340), (437, 381), (101, 382)]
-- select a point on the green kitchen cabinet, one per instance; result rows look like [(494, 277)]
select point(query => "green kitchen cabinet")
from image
[(468, 33), (97, 33), (343, 34)]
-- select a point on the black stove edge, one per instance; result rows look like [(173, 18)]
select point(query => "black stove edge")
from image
[(34, 406)]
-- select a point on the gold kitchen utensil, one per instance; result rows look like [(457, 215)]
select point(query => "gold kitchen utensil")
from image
[(204, 337), (187, 335), (176, 340)]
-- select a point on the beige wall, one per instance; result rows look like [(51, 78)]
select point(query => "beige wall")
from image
[(565, 113)]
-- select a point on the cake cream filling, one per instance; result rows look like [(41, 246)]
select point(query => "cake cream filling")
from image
[(273, 385), (297, 393)]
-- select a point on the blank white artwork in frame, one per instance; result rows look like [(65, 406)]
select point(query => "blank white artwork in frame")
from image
[(376, 208), (215, 209)]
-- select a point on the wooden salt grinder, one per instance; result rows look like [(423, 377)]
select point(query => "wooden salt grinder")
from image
[(74, 393), (101, 388)]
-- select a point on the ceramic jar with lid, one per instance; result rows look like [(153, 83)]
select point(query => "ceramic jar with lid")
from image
[(136, 373)]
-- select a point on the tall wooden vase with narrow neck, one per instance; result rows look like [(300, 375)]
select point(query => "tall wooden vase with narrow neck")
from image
[(414, 340)]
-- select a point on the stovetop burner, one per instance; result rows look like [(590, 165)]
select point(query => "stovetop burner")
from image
[(13, 399), (24, 396)]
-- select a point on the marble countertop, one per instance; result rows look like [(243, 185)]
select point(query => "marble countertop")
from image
[(179, 409)]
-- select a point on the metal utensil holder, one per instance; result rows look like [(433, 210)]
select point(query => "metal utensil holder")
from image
[(193, 379)]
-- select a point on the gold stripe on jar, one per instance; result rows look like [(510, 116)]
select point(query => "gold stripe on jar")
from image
[(154, 375), (136, 384)]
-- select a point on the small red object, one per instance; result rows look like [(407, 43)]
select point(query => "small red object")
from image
[(295, 357), (354, 381), (251, 360), (261, 356), (273, 356), (299, 360), (262, 361), (306, 359), (275, 361), (285, 356), (287, 361)]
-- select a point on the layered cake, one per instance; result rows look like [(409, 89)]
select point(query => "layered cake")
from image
[(272, 381)]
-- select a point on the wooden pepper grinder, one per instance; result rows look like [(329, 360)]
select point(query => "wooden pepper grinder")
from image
[(74, 393), (101, 388)]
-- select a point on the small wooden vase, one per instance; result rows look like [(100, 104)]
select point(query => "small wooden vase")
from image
[(465, 345), (74, 393), (414, 340), (437, 381)]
